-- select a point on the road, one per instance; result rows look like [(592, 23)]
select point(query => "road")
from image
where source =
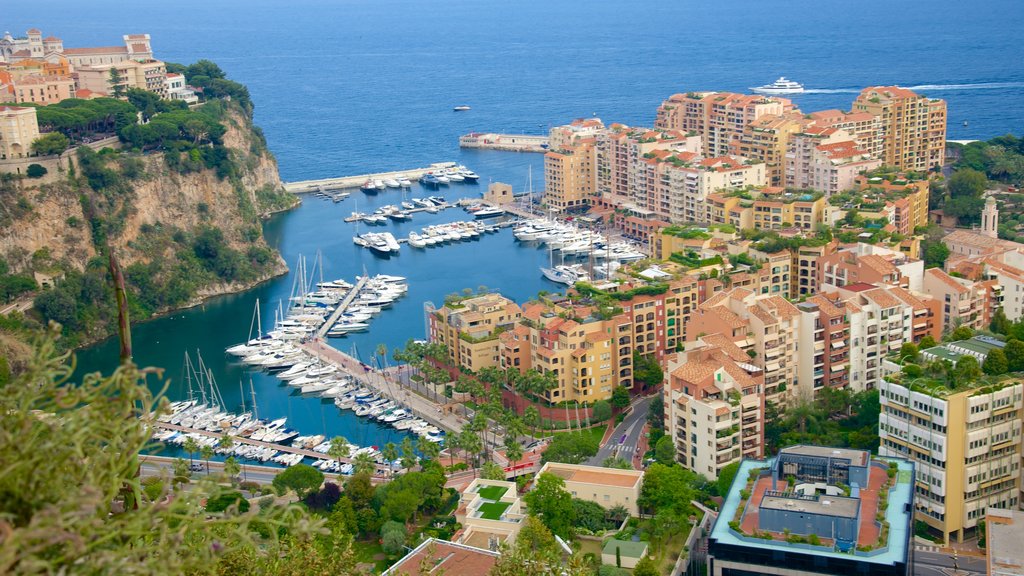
[(631, 427), (928, 563)]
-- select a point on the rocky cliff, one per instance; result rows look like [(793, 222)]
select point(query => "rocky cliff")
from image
[(183, 219)]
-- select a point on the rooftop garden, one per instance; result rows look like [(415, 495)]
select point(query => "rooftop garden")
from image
[(691, 259), (788, 197), (686, 233), (492, 492), (493, 510), (772, 242)]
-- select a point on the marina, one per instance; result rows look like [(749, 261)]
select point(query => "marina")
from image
[(348, 182)]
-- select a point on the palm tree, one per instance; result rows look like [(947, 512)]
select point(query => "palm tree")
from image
[(390, 454), (513, 450), (363, 463), (232, 468), (430, 450), (339, 448), (531, 417), (206, 452), (618, 513), (191, 446), (471, 444), (408, 449)]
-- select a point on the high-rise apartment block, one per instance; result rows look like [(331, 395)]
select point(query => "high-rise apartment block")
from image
[(912, 128)]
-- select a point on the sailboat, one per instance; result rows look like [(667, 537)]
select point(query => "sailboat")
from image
[(252, 344)]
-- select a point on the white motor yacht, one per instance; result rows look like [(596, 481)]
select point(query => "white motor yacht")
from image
[(780, 86)]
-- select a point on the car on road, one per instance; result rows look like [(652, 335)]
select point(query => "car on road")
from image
[(196, 467), (623, 439)]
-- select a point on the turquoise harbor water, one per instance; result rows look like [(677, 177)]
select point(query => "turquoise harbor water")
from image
[(348, 87)]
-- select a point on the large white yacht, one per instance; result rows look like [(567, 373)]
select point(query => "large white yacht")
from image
[(780, 86)]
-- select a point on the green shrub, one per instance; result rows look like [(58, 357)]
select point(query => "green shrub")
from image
[(35, 171)]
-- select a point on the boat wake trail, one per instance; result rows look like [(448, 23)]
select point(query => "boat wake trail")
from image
[(932, 87)]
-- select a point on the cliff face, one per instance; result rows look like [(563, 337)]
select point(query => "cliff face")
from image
[(184, 221), (56, 218)]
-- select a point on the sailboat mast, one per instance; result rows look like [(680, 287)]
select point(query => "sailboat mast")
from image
[(255, 409), (241, 394)]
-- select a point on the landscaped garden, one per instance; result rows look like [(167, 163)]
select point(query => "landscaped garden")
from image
[(493, 510)]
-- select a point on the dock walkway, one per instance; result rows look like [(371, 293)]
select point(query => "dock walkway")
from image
[(243, 440), (387, 386), (342, 306), (506, 142), (343, 182)]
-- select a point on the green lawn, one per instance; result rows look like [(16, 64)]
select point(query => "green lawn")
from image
[(370, 552), (492, 492), (493, 510), (596, 432)]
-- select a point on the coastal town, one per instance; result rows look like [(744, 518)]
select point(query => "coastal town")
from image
[(779, 341)]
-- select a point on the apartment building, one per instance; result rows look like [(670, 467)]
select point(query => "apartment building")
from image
[(912, 128), (805, 265), (767, 139), (469, 329), (18, 129), (870, 264), (824, 343), (966, 446), (675, 187), (569, 176), (42, 90), (965, 302), (826, 159), (765, 327), (719, 118), (769, 208), (714, 405), (619, 150), (861, 126)]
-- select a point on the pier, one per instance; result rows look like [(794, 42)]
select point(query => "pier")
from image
[(506, 142), (386, 386), (342, 306), (243, 440), (344, 182)]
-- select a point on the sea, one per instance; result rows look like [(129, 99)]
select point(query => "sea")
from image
[(347, 87)]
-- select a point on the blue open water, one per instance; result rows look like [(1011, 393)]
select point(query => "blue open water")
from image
[(348, 87)]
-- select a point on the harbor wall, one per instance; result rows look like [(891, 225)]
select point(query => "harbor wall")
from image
[(507, 142)]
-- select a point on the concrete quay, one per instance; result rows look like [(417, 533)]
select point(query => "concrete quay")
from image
[(507, 142), (343, 182), (386, 385)]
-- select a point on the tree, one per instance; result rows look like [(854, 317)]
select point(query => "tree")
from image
[(181, 468), (75, 473), (116, 81), (1014, 351), (1000, 323), (646, 370), (50, 144), (471, 444), (408, 453), (966, 371), (571, 448), (228, 501), (995, 363), (360, 489), (390, 452), (363, 463), (725, 477), (513, 450), (531, 417), (602, 411), (927, 342), (966, 183), (339, 449), (656, 412), (191, 446), (430, 450), (620, 397), (492, 471), (231, 467), (665, 451), (908, 352), (301, 478), (550, 502), (392, 537), (616, 462), (206, 451), (646, 567), (35, 171), (960, 333)]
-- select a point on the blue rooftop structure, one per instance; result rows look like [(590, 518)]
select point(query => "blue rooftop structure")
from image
[(834, 512)]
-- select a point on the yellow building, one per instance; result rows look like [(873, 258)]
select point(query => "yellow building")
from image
[(912, 128), (719, 118), (569, 176), (145, 75), (43, 90), (608, 487), (965, 444), (470, 328), (18, 129), (769, 208), (766, 139)]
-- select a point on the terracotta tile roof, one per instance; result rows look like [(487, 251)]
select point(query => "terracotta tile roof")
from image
[(741, 376), (139, 48), (877, 263), (882, 298), (947, 280), (726, 346), (905, 295), (694, 372), (888, 91), (727, 316), (840, 150), (781, 307), (97, 50), (34, 31), (51, 39), (826, 305)]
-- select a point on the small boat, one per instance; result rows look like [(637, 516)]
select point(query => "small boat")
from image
[(391, 183), (780, 86), (560, 275), (490, 212), (442, 178), (399, 216), (408, 205), (404, 182), (461, 108), (429, 180), (379, 184), (369, 187), (468, 174), (416, 241)]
